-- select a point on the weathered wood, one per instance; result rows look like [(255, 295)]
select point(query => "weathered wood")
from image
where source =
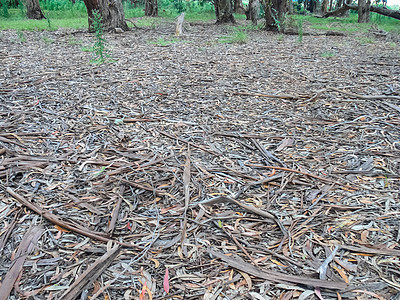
[(91, 274), (376, 9), (277, 276), (112, 14), (179, 24), (26, 246)]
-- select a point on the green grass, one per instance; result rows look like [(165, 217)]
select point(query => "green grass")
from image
[(327, 54), (350, 24), (65, 14), (237, 37), (166, 42)]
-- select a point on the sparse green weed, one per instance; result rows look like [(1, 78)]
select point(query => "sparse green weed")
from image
[(327, 54), (300, 30), (238, 37), (73, 41), (101, 54), (166, 42), (366, 41), (47, 40), (21, 36)]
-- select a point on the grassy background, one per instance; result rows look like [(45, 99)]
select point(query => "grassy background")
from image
[(65, 14)]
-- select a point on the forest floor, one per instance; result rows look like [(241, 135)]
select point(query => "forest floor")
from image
[(263, 170)]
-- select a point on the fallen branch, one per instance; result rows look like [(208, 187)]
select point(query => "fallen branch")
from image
[(283, 96), (56, 221), (189, 143), (365, 97), (249, 208), (91, 274), (276, 276), (376, 9), (25, 247)]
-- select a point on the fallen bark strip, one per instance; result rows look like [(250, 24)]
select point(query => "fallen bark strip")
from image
[(376, 9), (115, 212), (99, 236), (91, 274), (7, 231), (276, 276), (249, 208), (365, 97), (288, 97), (26, 246), (363, 249), (189, 143), (310, 175)]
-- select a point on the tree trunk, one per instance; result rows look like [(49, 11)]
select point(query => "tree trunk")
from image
[(224, 11), (363, 11), (33, 10), (275, 12), (151, 8), (238, 7), (253, 11), (324, 6), (111, 12), (331, 5), (376, 9)]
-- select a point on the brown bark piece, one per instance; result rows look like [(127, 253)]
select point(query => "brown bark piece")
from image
[(26, 246), (91, 274), (276, 276)]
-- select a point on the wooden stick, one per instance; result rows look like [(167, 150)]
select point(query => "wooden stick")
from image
[(55, 220)]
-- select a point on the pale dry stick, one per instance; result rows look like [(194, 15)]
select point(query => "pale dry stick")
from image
[(229, 233), (186, 184), (365, 97), (249, 208), (310, 175), (189, 143), (289, 97)]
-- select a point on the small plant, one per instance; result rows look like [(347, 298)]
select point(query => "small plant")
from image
[(365, 41), (162, 42), (22, 9), (21, 36), (300, 26), (4, 4), (48, 20), (47, 40), (99, 48), (280, 37), (73, 41), (327, 54), (239, 37)]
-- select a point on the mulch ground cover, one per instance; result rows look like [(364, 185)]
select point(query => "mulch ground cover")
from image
[(195, 168)]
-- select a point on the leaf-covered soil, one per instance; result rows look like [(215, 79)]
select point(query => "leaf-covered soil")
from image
[(263, 170)]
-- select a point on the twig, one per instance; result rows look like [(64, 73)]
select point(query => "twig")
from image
[(55, 220), (249, 208), (365, 97), (189, 143), (91, 274), (276, 276)]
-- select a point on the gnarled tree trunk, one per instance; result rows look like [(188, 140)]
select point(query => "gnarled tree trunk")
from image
[(324, 6), (376, 9), (111, 12), (363, 11), (33, 10), (253, 10), (274, 13), (238, 7), (151, 8), (224, 11)]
